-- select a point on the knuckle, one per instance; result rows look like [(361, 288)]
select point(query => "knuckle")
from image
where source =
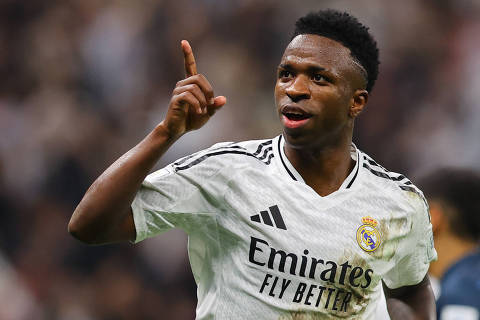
[(193, 87), (206, 85), (181, 96), (195, 102), (187, 94), (201, 79), (174, 100)]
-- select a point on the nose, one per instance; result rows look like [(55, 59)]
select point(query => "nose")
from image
[(298, 89)]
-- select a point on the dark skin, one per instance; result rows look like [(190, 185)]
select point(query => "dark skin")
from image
[(318, 79), (325, 84), (104, 215)]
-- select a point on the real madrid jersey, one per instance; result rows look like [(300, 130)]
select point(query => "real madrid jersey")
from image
[(264, 245)]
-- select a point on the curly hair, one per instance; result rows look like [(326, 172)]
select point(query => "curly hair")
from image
[(346, 29)]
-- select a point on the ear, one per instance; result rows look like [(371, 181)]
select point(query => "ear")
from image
[(358, 102)]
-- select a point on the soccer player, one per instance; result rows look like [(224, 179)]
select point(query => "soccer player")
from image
[(300, 226), (454, 200)]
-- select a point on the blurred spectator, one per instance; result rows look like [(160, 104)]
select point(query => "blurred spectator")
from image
[(454, 198), (17, 302)]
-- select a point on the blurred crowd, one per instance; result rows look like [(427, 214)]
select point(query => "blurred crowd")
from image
[(82, 81)]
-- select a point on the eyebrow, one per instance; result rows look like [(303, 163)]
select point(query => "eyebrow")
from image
[(310, 68)]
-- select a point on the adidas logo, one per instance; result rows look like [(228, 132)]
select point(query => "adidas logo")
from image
[(277, 217)]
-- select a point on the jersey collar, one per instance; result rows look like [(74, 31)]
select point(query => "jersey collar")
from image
[(289, 170)]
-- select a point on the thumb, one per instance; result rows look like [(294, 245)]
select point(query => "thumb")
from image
[(219, 102)]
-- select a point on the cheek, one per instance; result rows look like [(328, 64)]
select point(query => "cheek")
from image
[(278, 93), (328, 98), (333, 106)]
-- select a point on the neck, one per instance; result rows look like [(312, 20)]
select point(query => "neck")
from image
[(450, 250), (323, 168)]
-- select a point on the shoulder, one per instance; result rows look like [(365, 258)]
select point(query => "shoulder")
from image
[(394, 184), (460, 285), (228, 155), (462, 270)]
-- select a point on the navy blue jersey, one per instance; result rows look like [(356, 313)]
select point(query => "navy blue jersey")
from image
[(460, 290)]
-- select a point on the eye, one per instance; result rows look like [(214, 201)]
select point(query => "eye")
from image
[(319, 78), (285, 74)]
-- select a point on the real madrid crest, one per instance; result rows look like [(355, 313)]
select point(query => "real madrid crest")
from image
[(368, 237)]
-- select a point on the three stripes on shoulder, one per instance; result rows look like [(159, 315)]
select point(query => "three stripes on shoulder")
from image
[(264, 153), (402, 181)]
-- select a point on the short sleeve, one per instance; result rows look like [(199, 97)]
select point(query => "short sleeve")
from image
[(460, 289), (170, 199), (415, 250)]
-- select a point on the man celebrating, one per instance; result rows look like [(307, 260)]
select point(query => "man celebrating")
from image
[(301, 226)]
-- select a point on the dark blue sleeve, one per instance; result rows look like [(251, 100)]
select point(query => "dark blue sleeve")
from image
[(460, 286)]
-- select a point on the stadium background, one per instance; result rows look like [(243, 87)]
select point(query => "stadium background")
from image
[(82, 81)]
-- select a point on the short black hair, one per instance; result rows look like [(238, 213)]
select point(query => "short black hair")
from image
[(459, 189), (344, 28)]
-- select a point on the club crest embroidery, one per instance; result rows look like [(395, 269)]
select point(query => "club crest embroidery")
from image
[(368, 237)]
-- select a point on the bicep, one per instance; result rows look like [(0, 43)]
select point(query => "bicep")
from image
[(127, 230), (411, 302), (405, 290), (124, 231)]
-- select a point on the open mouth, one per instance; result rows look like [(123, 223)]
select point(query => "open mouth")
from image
[(294, 117)]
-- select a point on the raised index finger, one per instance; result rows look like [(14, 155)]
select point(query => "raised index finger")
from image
[(189, 59)]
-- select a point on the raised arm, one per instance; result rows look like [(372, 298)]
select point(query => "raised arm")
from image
[(104, 214)]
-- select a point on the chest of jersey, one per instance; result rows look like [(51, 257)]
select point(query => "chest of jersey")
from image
[(303, 251)]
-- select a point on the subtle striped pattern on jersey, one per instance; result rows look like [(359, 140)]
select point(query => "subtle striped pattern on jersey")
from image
[(263, 153), (264, 245), (403, 182)]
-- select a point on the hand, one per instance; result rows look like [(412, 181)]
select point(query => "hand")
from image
[(193, 101)]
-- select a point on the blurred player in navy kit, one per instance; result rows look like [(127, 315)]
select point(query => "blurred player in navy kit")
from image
[(454, 198)]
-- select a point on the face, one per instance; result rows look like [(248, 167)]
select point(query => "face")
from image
[(319, 91)]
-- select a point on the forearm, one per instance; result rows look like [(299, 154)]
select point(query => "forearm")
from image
[(104, 214), (107, 202), (413, 302)]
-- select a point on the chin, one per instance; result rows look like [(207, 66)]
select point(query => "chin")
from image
[(298, 140), (310, 140)]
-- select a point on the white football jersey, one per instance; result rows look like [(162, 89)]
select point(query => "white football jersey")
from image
[(264, 245)]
